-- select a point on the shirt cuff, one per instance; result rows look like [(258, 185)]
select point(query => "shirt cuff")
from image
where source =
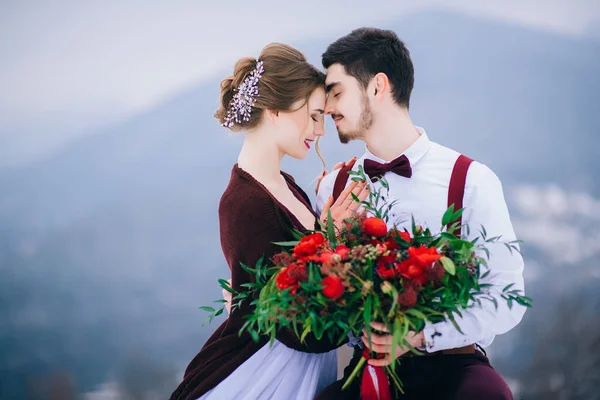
[(443, 336)]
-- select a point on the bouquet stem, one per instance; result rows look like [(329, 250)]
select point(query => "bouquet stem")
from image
[(357, 369)]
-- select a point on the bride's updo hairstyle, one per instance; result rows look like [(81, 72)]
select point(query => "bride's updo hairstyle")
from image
[(275, 81)]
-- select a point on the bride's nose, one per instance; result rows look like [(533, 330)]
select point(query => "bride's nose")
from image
[(319, 128)]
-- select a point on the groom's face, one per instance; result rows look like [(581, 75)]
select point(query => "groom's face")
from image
[(348, 104)]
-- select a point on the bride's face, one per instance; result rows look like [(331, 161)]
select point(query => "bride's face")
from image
[(298, 129)]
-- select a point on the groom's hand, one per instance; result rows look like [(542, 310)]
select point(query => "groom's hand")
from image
[(337, 166), (382, 344)]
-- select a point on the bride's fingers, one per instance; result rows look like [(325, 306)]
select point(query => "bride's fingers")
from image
[(362, 195), (345, 194), (326, 208), (350, 162), (319, 179), (338, 166), (360, 192)]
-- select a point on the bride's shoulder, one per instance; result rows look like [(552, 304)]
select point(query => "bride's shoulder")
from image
[(244, 196)]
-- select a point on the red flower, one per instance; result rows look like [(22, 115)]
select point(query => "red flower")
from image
[(325, 256), (308, 246), (290, 277), (391, 244), (333, 287), (384, 261), (405, 236), (386, 273), (374, 227), (284, 280), (395, 233), (342, 251), (424, 256)]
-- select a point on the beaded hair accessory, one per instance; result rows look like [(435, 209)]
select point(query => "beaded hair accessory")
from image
[(240, 107)]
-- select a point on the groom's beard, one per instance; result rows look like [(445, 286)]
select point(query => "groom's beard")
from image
[(364, 123)]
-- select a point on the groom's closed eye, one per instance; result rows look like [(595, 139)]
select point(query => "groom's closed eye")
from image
[(331, 86)]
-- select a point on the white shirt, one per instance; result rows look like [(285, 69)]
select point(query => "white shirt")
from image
[(425, 196)]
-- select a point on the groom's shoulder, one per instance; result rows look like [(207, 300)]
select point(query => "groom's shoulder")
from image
[(477, 170)]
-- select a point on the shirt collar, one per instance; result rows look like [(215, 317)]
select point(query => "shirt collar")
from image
[(414, 153)]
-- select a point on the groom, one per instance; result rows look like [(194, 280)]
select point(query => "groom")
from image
[(369, 82)]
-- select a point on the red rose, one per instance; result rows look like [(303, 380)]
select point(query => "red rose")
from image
[(423, 255), (374, 227), (333, 287), (284, 280), (308, 246), (411, 269)]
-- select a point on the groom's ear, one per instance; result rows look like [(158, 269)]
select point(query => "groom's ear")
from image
[(381, 85)]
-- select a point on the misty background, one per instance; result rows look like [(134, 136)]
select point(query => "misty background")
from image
[(112, 166)]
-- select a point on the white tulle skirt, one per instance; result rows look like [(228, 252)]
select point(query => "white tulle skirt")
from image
[(278, 373)]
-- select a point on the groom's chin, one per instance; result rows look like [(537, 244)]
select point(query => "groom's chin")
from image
[(345, 138)]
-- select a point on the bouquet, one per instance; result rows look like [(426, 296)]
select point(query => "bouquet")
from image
[(332, 283)]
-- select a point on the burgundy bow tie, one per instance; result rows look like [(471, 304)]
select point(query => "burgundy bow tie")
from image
[(400, 166)]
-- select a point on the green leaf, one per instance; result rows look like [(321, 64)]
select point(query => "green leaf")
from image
[(447, 218), (207, 309), (367, 311), (448, 265), (508, 287), (330, 229), (287, 244), (416, 313), (451, 318), (225, 285)]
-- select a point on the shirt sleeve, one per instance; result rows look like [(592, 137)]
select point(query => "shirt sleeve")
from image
[(485, 206)]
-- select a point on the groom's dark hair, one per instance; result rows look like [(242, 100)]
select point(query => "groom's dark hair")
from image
[(365, 52)]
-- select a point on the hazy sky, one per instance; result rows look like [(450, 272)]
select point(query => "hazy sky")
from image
[(69, 66)]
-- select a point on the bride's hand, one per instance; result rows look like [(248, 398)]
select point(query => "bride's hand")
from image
[(337, 166), (345, 206)]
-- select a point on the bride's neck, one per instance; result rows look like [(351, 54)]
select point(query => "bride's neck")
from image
[(261, 158)]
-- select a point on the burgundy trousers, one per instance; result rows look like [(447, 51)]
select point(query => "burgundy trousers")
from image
[(435, 377)]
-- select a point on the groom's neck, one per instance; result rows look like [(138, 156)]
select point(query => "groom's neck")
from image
[(392, 134)]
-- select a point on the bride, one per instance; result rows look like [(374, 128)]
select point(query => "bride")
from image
[(278, 100)]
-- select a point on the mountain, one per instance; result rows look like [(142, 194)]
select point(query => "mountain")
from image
[(108, 247)]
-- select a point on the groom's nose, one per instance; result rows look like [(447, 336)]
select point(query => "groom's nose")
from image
[(329, 108)]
